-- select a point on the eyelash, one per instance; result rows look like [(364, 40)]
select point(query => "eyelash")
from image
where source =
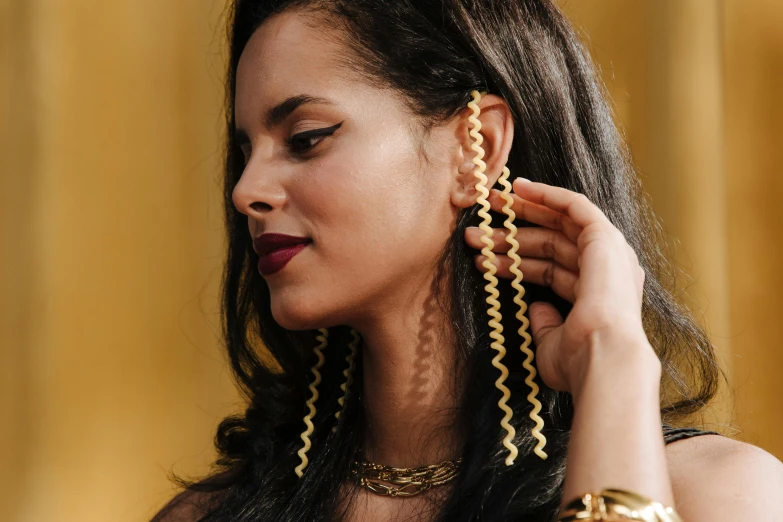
[(309, 135)]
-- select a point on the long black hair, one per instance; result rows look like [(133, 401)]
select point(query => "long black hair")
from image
[(435, 52)]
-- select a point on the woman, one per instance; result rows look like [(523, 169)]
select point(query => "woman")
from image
[(350, 130)]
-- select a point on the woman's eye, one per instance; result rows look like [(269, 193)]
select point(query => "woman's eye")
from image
[(304, 141), (299, 144)]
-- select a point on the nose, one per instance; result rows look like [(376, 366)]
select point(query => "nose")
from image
[(258, 191)]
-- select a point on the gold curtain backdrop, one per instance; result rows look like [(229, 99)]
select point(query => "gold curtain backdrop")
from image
[(111, 372)]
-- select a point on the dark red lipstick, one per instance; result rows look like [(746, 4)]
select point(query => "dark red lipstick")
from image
[(276, 250)]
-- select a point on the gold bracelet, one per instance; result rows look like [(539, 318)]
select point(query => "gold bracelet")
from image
[(616, 505)]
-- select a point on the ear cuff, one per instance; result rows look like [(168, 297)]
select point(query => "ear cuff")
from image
[(491, 288)]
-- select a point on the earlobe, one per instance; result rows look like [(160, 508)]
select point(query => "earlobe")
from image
[(497, 132)]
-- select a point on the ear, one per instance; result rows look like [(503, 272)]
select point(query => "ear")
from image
[(497, 129)]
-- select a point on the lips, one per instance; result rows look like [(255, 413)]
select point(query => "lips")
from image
[(276, 250), (267, 243)]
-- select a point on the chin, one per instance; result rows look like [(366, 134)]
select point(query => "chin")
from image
[(295, 309), (295, 316), (291, 321)]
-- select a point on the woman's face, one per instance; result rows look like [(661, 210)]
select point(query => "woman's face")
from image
[(378, 215)]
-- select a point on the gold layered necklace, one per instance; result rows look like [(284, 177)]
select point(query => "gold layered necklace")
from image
[(403, 482)]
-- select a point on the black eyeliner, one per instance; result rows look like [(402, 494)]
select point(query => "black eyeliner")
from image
[(317, 132), (306, 135)]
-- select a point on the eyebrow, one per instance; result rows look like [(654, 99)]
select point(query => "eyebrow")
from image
[(277, 114)]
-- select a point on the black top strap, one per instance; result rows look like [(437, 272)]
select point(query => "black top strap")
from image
[(671, 434)]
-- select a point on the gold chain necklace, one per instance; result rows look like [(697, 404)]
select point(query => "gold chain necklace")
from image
[(407, 482)]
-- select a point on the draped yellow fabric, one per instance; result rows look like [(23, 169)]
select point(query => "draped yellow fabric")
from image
[(111, 243)]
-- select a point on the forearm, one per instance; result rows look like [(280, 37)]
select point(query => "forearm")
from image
[(616, 438)]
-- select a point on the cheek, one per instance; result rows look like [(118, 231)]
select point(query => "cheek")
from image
[(376, 220), (360, 191), (377, 216), (350, 211)]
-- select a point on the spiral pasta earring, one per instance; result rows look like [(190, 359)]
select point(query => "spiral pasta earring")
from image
[(323, 337), (491, 288)]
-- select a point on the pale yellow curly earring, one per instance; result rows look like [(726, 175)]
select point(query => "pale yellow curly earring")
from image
[(323, 337), (348, 373), (491, 287), (520, 315)]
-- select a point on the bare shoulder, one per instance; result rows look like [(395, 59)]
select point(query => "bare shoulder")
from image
[(717, 479)]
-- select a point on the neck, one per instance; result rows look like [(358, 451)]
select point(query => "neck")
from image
[(410, 393)]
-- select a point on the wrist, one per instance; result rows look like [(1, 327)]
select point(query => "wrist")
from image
[(617, 360)]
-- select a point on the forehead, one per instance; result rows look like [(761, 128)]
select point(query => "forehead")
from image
[(286, 55)]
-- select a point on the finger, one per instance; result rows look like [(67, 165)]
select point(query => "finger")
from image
[(540, 242), (544, 318), (573, 204), (547, 244), (545, 321), (539, 271), (473, 237), (533, 213)]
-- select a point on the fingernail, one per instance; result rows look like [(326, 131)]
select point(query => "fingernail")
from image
[(523, 179)]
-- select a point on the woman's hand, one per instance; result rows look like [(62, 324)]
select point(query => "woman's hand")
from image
[(585, 259)]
